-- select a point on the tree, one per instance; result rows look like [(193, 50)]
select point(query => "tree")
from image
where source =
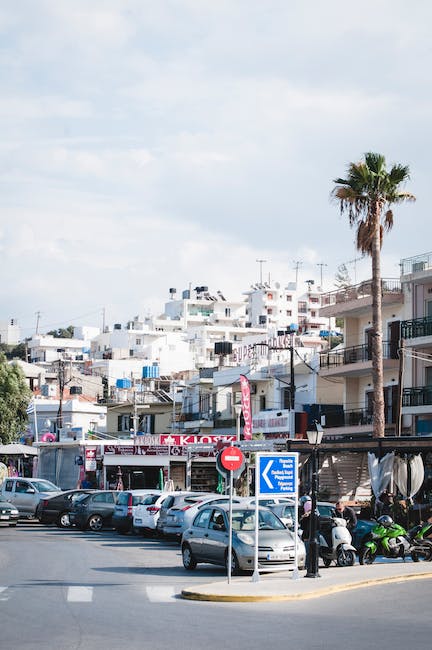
[(14, 398), (366, 196), (62, 333), (342, 278)]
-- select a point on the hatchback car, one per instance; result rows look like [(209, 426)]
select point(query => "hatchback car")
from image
[(178, 513), (207, 540), (94, 511), (9, 515), (125, 509), (147, 513), (56, 509)]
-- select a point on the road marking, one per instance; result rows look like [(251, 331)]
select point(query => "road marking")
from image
[(160, 594), (2, 589), (264, 474), (80, 594)]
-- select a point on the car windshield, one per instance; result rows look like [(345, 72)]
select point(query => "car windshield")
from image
[(245, 520), (150, 499), (45, 486)]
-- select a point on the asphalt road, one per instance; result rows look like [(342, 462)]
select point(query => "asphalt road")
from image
[(65, 590)]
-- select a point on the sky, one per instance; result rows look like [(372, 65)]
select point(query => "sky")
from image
[(149, 145)]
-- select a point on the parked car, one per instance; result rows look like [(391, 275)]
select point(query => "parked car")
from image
[(95, 510), (125, 509), (25, 493), (147, 513), (56, 509), (285, 511), (8, 513), (178, 512), (207, 539)]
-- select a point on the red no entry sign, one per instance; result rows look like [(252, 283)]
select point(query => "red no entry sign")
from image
[(232, 458)]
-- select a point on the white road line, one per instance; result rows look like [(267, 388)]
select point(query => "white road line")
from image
[(160, 594), (2, 589), (80, 594)]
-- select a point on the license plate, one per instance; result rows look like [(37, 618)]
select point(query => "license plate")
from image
[(138, 521), (4, 517), (280, 556)]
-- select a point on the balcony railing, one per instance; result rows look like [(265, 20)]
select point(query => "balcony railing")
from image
[(411, 329), (417, 396), (356, 354), (362, 290), (416, 264)]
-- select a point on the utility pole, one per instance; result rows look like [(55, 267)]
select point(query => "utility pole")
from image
[(38, 314), (61, 382), (321, 264), (261, 262), (297, 264), (103, 320)]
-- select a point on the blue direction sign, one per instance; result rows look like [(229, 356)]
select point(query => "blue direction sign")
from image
[(277, 474)]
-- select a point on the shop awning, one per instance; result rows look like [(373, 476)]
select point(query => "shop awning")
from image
[(15, 449)]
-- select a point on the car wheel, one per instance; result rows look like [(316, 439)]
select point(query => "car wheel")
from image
[(235, 566), (63, 520), (95, 523), (189, 561)]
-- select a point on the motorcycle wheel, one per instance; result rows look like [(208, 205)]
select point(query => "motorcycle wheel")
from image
[(366, 556), (422, 552), (326, 561), (345, 557)]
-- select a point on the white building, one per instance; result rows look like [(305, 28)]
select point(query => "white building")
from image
[(9, 332)]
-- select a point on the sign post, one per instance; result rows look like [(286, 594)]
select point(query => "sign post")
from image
[(231, 459), (276, 475)]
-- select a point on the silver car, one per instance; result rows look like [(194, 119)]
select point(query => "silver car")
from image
[(25, 493), (207, 540)]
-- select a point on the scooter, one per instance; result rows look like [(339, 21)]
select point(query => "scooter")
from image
[(335, 542), (391, 540)]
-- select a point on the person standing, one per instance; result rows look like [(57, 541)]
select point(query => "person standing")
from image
[(347, 513)]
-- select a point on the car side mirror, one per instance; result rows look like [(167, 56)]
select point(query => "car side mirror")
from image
[(30, 490)]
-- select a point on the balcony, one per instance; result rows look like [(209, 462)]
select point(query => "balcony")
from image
[(357, 359), (417, 328), (417, 396), (416, 264), (359, 297)]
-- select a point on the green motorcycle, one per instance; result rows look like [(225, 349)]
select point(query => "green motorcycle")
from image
[(392, 540)]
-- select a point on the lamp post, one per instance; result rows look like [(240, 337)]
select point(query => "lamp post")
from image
[(314, 438), (238, 412), (292, 330)]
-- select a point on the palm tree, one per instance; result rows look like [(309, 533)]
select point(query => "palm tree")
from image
[(366, 196)]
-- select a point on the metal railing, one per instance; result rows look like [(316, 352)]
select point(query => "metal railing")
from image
[(411, 329), (362, 290), (356, 354), (417, 396), (416, 264)]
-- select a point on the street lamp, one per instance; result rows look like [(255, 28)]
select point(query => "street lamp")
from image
[(314, 438), (238, 412)]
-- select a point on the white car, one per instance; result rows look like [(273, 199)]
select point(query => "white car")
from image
[(146, 514), (178, 517)]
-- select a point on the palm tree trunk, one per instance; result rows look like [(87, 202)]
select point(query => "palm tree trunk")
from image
[(377, 335)]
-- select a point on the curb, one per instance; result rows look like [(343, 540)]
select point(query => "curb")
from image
[(249, 598)]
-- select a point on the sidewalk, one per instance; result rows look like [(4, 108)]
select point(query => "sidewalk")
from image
[(282, 586)]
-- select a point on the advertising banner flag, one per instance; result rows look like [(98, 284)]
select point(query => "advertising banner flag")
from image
[(246, 407)]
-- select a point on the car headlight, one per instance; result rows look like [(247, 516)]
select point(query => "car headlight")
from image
[(14, 512), (246, 538)]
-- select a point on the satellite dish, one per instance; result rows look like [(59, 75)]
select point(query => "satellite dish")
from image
[(3, 472)]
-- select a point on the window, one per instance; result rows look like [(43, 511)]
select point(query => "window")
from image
[(289, 312), (302, 306), (289, 298), (21, 487), (227, 311), (137, 341), (202, 520), (313, 314)]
